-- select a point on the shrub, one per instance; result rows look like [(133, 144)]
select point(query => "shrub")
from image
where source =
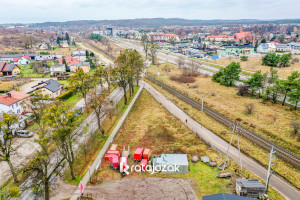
[(244, 58), (296, 127), (243, 90), (65, 95), (271, 60), (183, 79), (249, 108), (14, 191)]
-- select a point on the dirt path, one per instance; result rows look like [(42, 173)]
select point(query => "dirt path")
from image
[(144, 188), (61, 190)]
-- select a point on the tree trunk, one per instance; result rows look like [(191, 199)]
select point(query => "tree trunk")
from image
[(132, 87), (125, 97), (284, 98), (12, 170), (296, 105), (72, 170), (47, 192)]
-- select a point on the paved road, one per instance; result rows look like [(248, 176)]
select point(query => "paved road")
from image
[(115, 96), (101, 57), (286, 189)]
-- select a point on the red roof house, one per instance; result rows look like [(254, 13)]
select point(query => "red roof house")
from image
[(244, 36), (69, 60)]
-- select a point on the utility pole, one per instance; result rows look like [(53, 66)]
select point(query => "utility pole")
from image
[(272, 157)]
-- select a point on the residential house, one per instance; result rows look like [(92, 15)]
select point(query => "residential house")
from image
[(69, 60), (266, 48), (79, 54), (44, 46), (161, 37), (249, 188), (228, 50), (220, 38), (50, 88), (13, 102), (10, 58), (7, 69), (58, 69), (283, 48), (48, 57), (85, 66), (22, 60), (295, 47), (63, 44), (243, 36)]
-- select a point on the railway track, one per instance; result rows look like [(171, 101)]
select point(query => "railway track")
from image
[(264, 143)]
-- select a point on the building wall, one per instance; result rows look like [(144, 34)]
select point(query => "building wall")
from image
[(51, 94), (15, 108)]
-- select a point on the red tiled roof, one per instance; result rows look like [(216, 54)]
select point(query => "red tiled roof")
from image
[(16, 59), (2, 64), (6, 100), (18, 95), (69, 60)]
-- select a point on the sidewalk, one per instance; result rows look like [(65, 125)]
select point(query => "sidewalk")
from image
[(105, 147)]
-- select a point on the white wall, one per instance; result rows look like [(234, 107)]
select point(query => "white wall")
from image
[(15, 108)]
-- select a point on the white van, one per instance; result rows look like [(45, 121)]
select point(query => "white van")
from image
[(24, 133)]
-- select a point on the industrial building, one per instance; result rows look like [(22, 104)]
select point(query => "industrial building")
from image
[(249, 188)]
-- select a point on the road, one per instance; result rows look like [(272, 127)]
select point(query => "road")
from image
[(282, 186), (115, 96), (101, 57)]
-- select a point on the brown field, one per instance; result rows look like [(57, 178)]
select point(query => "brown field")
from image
[(255, 64), (287, 171), (7, 85), (269, 120), (149, 125)]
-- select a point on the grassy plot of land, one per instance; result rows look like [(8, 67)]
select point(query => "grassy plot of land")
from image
[(255, 64), (6, 85), (272, 121), (28, 71), (89, 150), (149, 125), (288, 172)]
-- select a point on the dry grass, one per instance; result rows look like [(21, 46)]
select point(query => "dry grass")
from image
[(290, 173), (231, 105), (255, 64), (7, 85), (149, 125)]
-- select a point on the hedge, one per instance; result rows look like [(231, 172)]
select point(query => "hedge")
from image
[(65, 95)]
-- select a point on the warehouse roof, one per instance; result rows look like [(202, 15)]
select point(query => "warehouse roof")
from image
[(225, 196)]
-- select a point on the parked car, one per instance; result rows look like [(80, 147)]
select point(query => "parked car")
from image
[(24, 133)]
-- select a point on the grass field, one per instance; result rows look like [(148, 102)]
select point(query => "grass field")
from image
[(269, 120), (7, 85), (149, 125), (255, 64)]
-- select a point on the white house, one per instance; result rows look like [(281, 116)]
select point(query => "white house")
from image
[(295, 47), (22, 60), (48, 57), (58, 69), (266, 48), (79, 54), (10, 104), (283, 48)]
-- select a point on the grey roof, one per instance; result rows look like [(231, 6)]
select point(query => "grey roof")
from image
[(83, 64), (238, 46), (18, 55), (250, 183), (79, 54), (294, 44), (52, 85), (281, 46), (264, 45), (225, 196)]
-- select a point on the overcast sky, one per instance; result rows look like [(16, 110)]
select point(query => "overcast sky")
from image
[(27, 11)]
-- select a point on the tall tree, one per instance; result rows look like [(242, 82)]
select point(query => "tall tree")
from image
[(294, 95), (62, 121), (80, 82), (289, 84), (153, 52), (8, 119), (255, 82), (146, 44), (228, 75)]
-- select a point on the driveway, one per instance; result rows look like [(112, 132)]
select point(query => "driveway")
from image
[(27, 87)]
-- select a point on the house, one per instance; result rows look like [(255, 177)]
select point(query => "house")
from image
[(10, 58), (69, 60), (9, 69), (161, 37), (58, 69), (225, 196), (85, 66), (283, 48), (44, 46), (228, 50), (64, 44), (50, 88), (243, 36), (295, 47), (79, 54), (220, 38), (48, 57), (171, 163), (266, 48), (249, 188), (23, 60), (13, 102)]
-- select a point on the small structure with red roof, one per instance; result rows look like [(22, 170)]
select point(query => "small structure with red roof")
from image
[(23, 60), (14, 101)]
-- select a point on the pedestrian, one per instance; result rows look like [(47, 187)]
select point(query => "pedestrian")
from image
[(186, 121)]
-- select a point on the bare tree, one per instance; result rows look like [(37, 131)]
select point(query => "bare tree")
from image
[(194, 67), (146, 44), (180, 62), (295, 126), (153, 52)]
